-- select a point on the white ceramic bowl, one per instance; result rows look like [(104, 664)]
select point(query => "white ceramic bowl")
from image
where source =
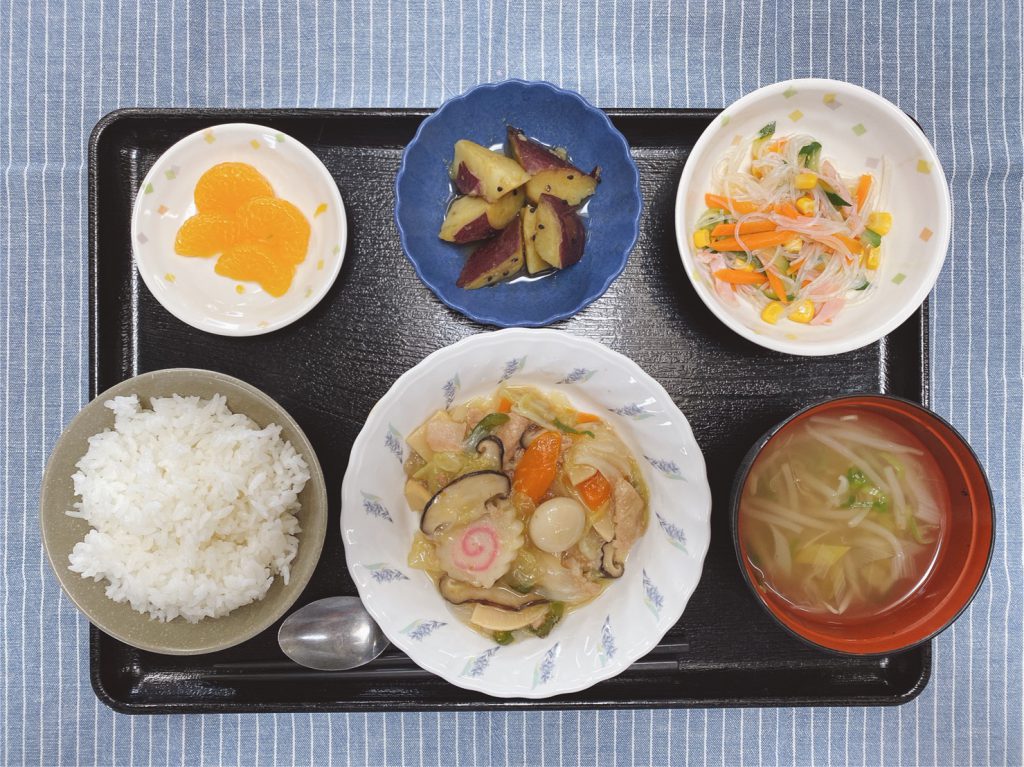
[(188, 287), (592, 643), (856, 128)]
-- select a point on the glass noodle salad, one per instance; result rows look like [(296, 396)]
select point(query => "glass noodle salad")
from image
[(784, 232)]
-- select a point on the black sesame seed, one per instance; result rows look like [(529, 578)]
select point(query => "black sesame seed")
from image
[(505, 273), (499, 188), (570, 177), (489, 279), (533, 237), (547, 188), (540, 226)]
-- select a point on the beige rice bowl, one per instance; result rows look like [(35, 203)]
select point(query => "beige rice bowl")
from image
[(192, 507)]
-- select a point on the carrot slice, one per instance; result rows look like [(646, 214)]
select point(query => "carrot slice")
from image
[(587, 418), (754, 241), (787, 209), (727, 203), (537, 468), (863, 188), (854, 246), (595, 491), (739, 277), (747, 227), (776, 286), (505, 405)]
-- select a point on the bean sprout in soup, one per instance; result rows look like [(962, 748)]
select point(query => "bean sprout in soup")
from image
[(843, 514)]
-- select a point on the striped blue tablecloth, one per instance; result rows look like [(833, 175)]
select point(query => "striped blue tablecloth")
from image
[(64, 63)]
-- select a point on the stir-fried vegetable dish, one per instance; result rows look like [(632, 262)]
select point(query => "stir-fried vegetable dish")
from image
[(529, 508)]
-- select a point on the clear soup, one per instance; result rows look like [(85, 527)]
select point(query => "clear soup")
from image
[(843, 515)]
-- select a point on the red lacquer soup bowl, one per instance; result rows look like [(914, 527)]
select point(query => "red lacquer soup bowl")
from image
[(962, 559)]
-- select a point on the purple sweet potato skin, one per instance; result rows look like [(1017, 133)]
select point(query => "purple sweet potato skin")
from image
[(466, 182), (477, 229), (533, 156), (573, 233), (494, 258)]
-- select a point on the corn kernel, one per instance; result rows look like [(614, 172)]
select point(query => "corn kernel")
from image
[(772, 312), (805, 205), (806, 181), (701, 238), (880, 222), (873, 258), (793, 246), (743, 265), (803, 311)]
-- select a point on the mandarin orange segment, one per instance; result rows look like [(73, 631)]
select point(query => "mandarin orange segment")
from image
[(226, 187), (206, 234), (261, 238), (277, 225), (252, 263)]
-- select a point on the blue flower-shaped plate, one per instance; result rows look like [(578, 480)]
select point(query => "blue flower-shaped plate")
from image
[(553, 116)]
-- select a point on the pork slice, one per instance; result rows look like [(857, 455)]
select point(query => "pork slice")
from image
[(627, 514), (473, 417), (509, 433), (445, 435)]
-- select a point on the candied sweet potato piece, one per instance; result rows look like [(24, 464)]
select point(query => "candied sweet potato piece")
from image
[(496, 260)]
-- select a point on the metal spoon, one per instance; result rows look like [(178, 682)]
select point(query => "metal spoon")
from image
[(332, 634)]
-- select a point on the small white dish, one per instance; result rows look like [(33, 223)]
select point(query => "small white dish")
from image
[(188, 287), (592, 643), (857, 129)]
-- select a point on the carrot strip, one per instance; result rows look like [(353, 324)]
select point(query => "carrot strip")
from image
[(863, 188), (595, 491), (754, 241), (747, 227), (777, 288), (739, 277), (854, 246), (505, 405), (538, 466), (787, 209), (587, 418), (726, 203), (794, 266)]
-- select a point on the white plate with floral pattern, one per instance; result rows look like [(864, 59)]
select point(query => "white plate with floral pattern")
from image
[(859, 132), (188, 287), (592, 643)]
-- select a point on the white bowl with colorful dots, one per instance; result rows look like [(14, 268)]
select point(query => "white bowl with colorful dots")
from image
[(860, 132), (592, 643), (189, 287)]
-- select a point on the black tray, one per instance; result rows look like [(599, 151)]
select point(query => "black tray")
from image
[(331, 367)]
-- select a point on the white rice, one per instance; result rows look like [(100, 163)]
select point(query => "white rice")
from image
[(192, 507)]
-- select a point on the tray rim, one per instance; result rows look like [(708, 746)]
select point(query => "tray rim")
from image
[(94, 146)]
